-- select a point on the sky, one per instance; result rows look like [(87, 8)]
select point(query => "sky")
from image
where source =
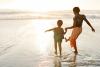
[(49, 5)]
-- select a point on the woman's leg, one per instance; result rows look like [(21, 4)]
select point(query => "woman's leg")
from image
[(75, 47), (73, 44), (75, 33)]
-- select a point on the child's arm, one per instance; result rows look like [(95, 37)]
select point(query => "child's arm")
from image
[(49, 30), (65, 31)]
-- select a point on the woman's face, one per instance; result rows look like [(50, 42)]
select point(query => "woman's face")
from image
[(75, 13)]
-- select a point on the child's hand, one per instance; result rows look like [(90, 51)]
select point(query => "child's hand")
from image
[(46, 31), (65, 29)]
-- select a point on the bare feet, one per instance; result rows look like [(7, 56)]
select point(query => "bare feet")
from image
[(76, 52), (66, 39), (55, 52)]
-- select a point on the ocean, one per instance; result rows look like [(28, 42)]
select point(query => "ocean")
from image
[(24, 42)]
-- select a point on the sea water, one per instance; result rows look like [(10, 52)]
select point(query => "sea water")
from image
[(24, 43)]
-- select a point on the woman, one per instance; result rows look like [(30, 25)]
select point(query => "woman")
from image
[(77, 27)]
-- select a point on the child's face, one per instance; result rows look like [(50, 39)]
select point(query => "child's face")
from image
[(59, 25)]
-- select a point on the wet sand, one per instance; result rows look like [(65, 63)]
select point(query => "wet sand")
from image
[(24, 43)]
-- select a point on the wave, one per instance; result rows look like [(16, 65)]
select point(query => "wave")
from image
[(21, 15)]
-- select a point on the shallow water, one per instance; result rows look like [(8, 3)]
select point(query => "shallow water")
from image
[(23, 43)]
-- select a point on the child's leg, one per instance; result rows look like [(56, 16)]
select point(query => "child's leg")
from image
[(55, 47), (60, 48)]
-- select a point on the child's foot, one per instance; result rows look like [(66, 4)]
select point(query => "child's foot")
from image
[(55, 52), (60, 56)]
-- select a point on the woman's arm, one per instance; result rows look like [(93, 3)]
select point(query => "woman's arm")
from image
[(85, 19), (70, 27), (74, 23)]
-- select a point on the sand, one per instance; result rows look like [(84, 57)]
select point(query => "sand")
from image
[(23, 43)]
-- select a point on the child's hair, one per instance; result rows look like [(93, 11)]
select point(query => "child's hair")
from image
[(76, 9), (59, 22)]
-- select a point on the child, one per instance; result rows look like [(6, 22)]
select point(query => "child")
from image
[(58, 35)]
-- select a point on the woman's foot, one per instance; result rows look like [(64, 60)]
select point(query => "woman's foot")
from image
[(76, 52)]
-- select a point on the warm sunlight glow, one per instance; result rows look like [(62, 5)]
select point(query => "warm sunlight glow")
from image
[(43, 39), (49, 5), (4, 1)]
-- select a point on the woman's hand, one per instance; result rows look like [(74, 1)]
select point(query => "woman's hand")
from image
[(93, 29)]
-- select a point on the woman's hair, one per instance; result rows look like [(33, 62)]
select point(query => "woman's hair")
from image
[(59, 22), (76, 9)]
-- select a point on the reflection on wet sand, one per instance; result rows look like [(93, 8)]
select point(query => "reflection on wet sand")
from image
[(57, 62), (70, 61), (73, 62)]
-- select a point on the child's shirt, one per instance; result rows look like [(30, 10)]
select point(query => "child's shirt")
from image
[(58, 33)]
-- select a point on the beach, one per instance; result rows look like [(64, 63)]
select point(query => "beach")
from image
[(24, 43)]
